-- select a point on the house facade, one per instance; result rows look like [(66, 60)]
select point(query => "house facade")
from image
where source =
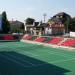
[(57, 23), (36, 28), (53, 27), (46, 29), (16, 26)]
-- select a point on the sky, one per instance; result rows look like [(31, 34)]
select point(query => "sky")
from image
[(22, 9)]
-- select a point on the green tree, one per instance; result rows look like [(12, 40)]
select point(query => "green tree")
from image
[(22, 26), (29, 21), (5, 23), (66, 21), (66, 25), (72, 25)]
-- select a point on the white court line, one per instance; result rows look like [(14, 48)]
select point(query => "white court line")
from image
[(58, 53), (64, 60), (34, 55), (14, 61), (58, 61), (21, 59), (13, 46), (28, 53), (21, 63), (23, 52), (51, 52), (55, 54)]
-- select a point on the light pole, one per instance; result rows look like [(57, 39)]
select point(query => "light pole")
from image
[(44, 16), (25, 28)]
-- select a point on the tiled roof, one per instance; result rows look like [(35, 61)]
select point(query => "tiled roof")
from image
[(15, 22)]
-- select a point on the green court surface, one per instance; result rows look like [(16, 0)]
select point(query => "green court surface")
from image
[(19, 58)]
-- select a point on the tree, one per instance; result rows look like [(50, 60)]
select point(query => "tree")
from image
[(66, 25), (22, 26), (29, 21), (72, 25), (50, 21), (5, 23), (66, 21)]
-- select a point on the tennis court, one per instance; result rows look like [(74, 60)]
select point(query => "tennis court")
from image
[(19, 58)]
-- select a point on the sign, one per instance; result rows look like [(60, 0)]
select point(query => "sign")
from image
[(72, 34)]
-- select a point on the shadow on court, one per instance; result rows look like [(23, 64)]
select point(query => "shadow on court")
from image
[(12, 63)]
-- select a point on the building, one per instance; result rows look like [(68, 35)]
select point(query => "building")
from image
[(45, 28), (16, 26), (57, 23), (57, 29), (36, 28), (61, 17), (54, 27)]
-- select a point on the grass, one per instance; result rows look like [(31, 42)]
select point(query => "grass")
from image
[(18, 58)]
